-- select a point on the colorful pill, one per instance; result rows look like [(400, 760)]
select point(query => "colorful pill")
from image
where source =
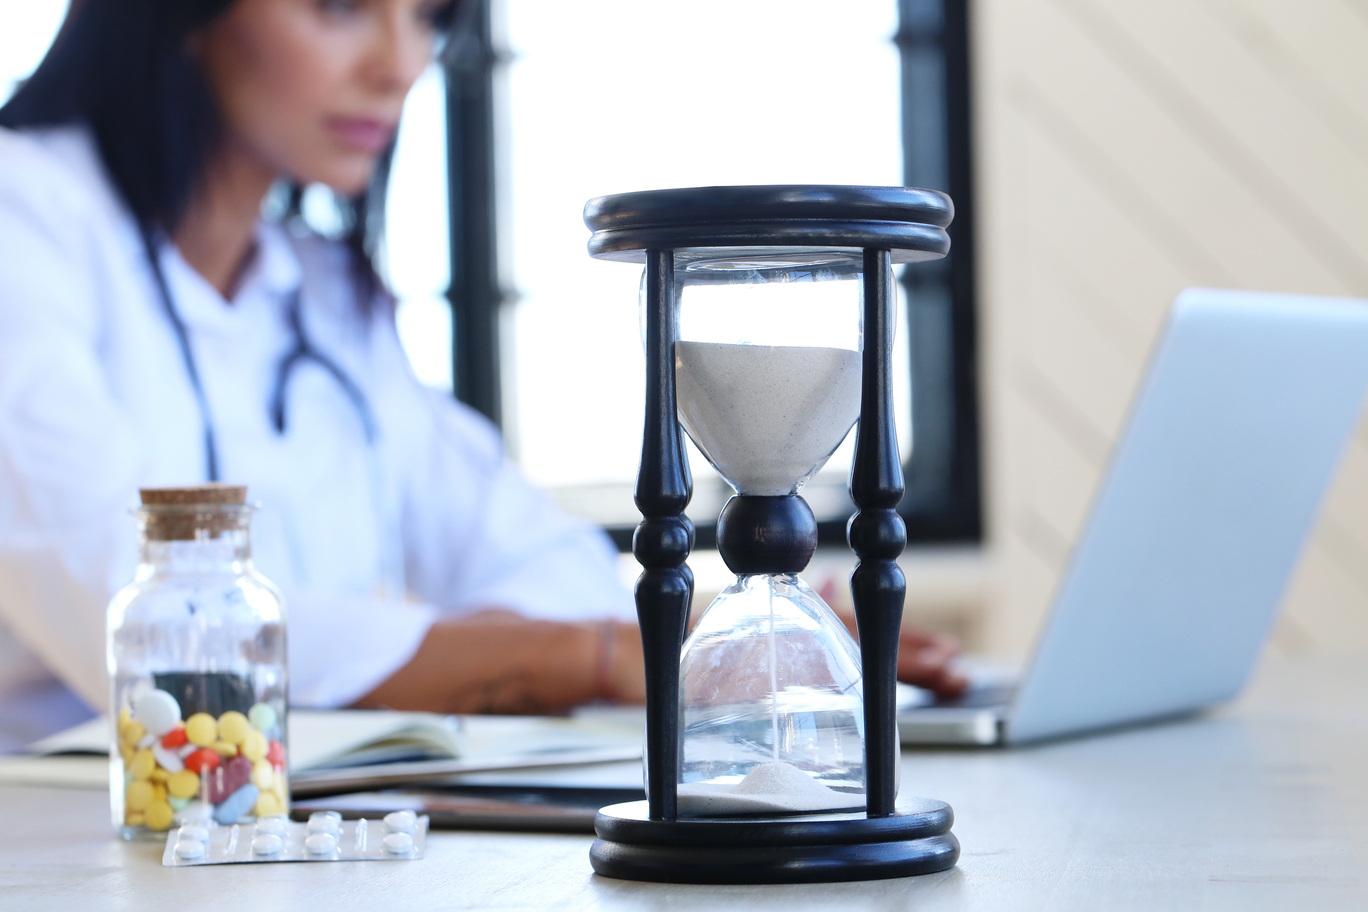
[(202, 761), (267, 804), (132, 733), (275, 752), (142, 765), (254, 745), (183, 784), (233, 727), (158, 712), (175, 738), (237, 804), (159, 815), (263, 775), (262, 717), (168, 760), (138, 795), (201, 729), (225, 748)]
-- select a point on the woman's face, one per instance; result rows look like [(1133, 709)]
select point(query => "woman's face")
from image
[(313, 89)]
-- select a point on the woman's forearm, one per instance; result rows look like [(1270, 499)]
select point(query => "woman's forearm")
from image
[(500, 662)]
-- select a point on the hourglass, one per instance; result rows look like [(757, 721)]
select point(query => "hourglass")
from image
[(771, 741)]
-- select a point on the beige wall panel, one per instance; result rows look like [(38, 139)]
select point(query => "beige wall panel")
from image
[(1062, 480), (1347, 501), (1315, 45), (1079, 360), (1126, 150), (1221, 231), (1256, 123), (1323, 609)]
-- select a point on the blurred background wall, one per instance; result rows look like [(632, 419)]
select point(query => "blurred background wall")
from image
[(1126, 149)]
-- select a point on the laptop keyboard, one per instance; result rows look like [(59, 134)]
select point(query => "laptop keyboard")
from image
[(980, 696)]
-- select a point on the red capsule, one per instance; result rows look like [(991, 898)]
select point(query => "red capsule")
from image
[(275, 752), (202, 761), (174, 738)]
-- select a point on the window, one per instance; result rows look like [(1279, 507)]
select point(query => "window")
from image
[(551, 104)]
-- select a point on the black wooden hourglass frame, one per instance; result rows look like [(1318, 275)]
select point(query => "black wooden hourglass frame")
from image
[(648, 840)]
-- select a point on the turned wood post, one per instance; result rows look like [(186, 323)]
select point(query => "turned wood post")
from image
[(662, 542), (877, 535)]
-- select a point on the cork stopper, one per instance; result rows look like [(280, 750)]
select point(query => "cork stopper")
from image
[(196, 511), (212, 493)]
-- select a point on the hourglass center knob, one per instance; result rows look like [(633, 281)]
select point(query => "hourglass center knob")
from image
[(760, 534)]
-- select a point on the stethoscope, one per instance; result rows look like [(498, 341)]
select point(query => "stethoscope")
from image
[(303, 350)]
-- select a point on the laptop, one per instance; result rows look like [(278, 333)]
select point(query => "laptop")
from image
[(1212, 490)]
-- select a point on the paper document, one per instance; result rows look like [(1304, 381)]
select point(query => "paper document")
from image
[(336, 746)]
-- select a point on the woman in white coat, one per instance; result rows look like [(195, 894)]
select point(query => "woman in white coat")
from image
[(156, 330)]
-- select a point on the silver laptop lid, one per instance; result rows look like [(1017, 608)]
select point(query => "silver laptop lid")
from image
[(1212, 490)]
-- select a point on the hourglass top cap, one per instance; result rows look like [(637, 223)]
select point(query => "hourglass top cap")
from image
[(908, 221)]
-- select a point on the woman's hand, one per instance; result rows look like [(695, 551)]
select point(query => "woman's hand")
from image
[(924, 658)]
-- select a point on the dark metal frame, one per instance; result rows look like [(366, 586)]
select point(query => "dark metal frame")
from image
[(942, 503)]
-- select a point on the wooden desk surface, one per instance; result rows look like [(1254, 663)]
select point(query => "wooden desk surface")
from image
[(1262, 805)]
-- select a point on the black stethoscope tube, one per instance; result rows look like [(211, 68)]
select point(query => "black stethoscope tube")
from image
[(303, 350)]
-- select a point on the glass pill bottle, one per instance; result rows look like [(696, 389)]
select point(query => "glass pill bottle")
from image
[(196, 655)]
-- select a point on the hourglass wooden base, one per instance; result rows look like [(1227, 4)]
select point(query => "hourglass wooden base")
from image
[(752, 850)]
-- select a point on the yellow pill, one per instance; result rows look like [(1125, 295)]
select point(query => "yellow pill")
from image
[(138, 795), (281, 788), (134, 818), (201, 729), (263, 775), (267, 804), (132, 733), (233, 727), (183, 784), (225, 749), (159, 815), (142, 764), (158, 792), (127, 753), (159, 775), (125, 716), (254, 746)]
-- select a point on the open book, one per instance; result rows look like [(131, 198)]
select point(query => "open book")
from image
[(338, 750)]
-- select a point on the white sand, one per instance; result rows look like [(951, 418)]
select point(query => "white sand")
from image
[(770, 787), (766, 416)]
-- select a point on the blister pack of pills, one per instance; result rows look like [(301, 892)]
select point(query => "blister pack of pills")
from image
[(400, 836)]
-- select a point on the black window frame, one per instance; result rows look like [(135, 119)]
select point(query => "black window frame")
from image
[(942, 505)]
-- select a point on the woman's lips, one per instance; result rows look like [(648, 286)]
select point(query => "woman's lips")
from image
[(362, 133)]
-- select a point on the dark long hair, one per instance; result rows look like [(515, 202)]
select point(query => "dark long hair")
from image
[(121, 68)]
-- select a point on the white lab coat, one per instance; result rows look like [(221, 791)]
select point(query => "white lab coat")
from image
[(368, 543)]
